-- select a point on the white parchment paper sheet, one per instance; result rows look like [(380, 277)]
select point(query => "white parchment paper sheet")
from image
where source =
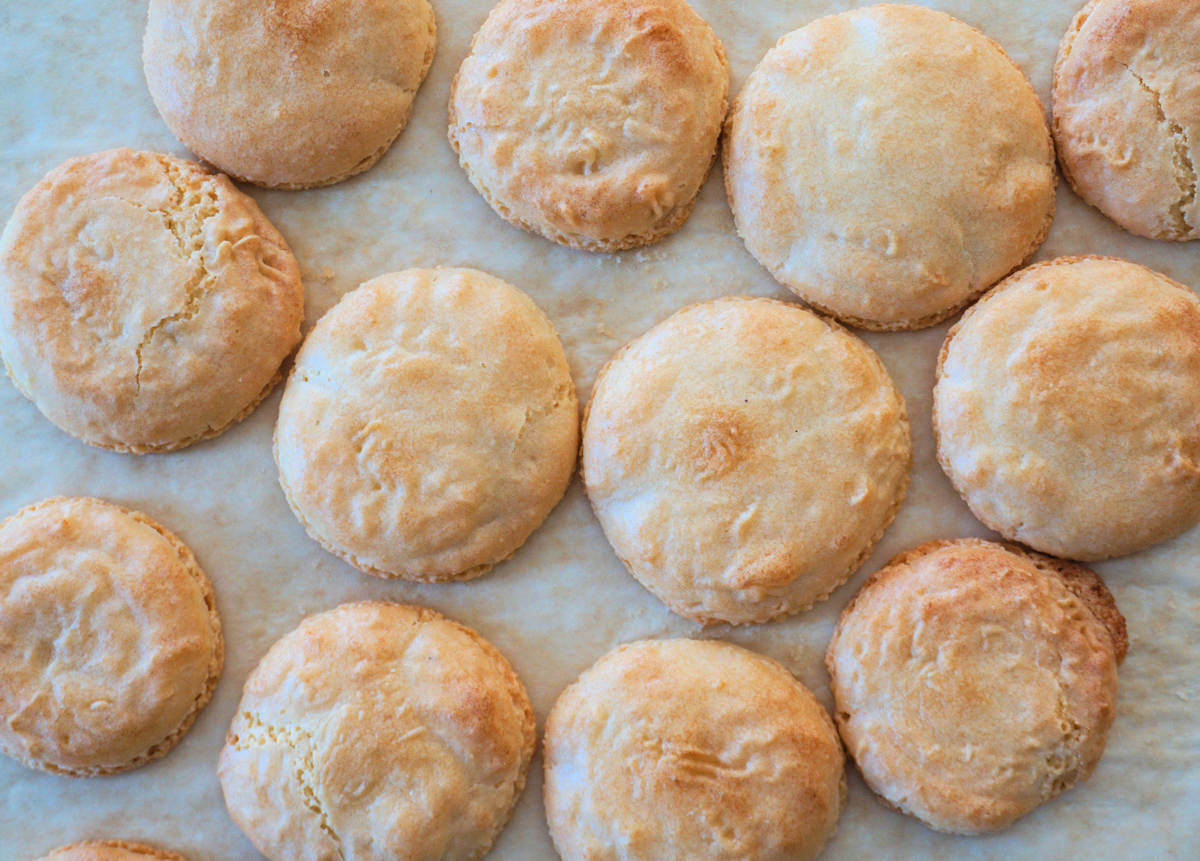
[(71, 83)]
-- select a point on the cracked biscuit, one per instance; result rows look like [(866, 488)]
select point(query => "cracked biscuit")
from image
[(287, 93), (743, 457), (591, 122), (377, 730), (888, 165), (973, 681), (1067, 408), (145, 304), (1127, 113), (111, 850), (429, 425), (110, 642), (683, 749)]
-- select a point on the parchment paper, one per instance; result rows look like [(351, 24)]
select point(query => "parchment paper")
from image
[(71, 83)]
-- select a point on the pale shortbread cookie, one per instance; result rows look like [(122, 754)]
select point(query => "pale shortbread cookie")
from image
[(377, 731), (888, 165), (686, 749), (110, 642), (591, 122), (1127, 113), (145, 304), (1067, 408), (429, 425), (743, 457), (973, 681), (111, 850), (287, 93)]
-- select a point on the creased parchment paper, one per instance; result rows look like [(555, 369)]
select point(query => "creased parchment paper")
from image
[(71, 83)]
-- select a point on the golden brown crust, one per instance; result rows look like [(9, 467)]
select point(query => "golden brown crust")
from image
[(607, 155), (675, 749), (384, 730), (975, 681), (110, 850), (83, 552), (1126, 113), (451, 367), (145, 304), (701, 435), (288, 94), (838, 190), (1055, 421)]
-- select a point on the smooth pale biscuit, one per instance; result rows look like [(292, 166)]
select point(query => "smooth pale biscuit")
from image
[(145, 304), (1067, 408), (110, 642), (888, 165), (287, 93), (429, 425), (684, 749), (111, 850), (973, 682), (1127, 113), (591, 122), (377, 730), (743, 457)]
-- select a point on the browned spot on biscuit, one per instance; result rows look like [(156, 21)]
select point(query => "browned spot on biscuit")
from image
[(720, 442)]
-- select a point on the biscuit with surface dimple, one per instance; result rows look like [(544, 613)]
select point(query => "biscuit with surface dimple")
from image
[(110, 850), (110, 642), (1127, 113), (1067, 408), (429, 425), (145, 304), (591, 122), (973, 681), (377, 730), (888, 165), (743, 457), (667, 750), (287, 93)]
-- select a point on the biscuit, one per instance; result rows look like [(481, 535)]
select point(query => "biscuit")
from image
[(973, 681), (1126, 104), (888, 165), (743, 457), (110, 850), (377, 730), (591, 122), (429, 425), (681, 749), (1067, 408), (290, 94), (110, 642), (145, 304)]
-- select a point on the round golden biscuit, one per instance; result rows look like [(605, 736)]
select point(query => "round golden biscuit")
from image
[(591, 122), (1126, 103), (743, 457), (377, 731), (889, 164), (287, 93), (110, 642), (684, 749), (111, 850), (973, 681), (145, 304), (1067, 408), (429, 425)]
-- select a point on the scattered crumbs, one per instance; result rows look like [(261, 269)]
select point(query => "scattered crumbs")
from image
[(606, 332), (327, 272)]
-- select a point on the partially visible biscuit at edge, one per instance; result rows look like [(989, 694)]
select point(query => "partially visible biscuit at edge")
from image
[(111, 850), (114, 640), (145, 303), (974, 682), (287, 95), (886, 192), (591, 123)]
